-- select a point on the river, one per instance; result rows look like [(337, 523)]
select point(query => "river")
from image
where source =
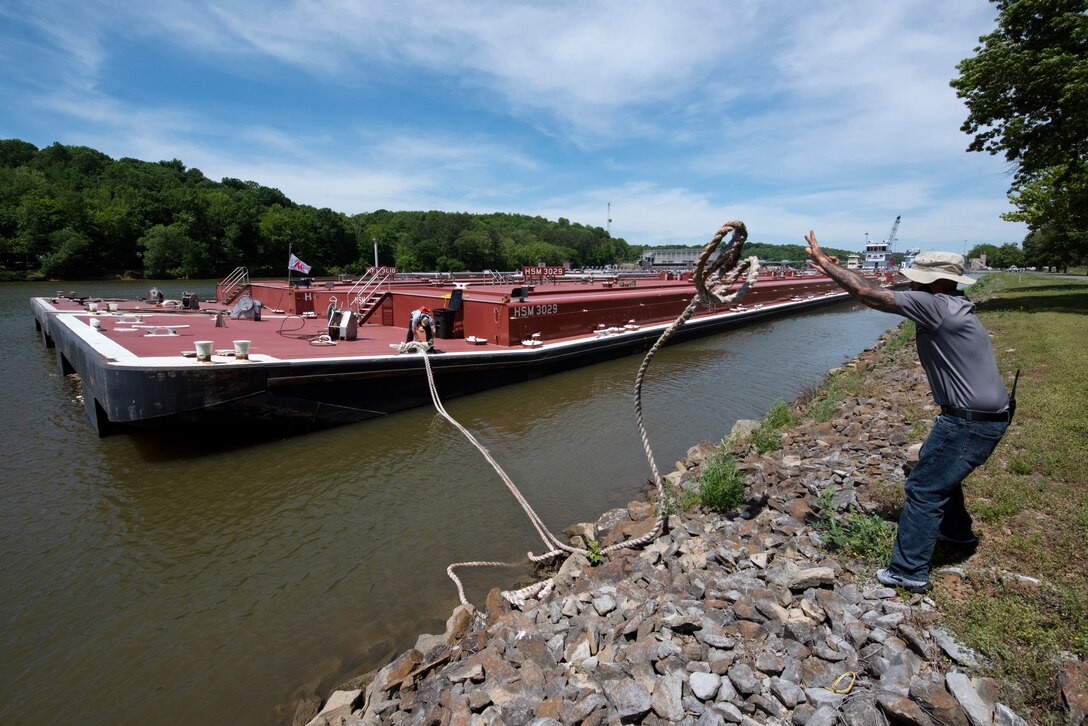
[(148, 579)]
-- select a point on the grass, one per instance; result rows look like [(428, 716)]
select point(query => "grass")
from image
[(841, 385), (766, 436), (721, 484), (866, 537)]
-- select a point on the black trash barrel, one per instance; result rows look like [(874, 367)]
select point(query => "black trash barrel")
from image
[(443, 322)]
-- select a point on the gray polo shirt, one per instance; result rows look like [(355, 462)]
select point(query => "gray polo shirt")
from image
[(955, 351)]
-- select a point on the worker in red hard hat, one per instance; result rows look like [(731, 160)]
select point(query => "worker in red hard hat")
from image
[(422, 317)]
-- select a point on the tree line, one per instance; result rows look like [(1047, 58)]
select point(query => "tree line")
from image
[(70, 212)]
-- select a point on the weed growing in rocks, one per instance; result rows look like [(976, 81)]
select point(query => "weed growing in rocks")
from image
[(721, 486), (840, 385), (766, 436), (866, 537), (593, 552), (903, 335)]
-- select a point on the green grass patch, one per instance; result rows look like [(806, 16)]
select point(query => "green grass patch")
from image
[(1023, 634), (865, 537), (903, 335), (721, 484), (766, 436), (841, 385)]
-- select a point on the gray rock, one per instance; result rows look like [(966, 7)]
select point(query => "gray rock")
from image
[(896, 679), (790, 694), (629, 698), (665, 701), (769, 663), (710, 718), (604, 604), (861, 710), (579, 708), (959, 685), (339, 706), (914, 640), (770, 706), (704, 685), (729, 712), (903, 710), (820, 697), (743, 678), (517, 711), (824, 716), (959, 653), (1005, 716)]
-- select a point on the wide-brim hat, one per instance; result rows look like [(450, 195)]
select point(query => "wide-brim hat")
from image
[(930, 266)]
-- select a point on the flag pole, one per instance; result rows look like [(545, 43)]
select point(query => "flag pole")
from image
[(290, 254)]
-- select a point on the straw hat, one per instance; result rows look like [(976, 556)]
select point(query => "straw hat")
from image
[(930, 266)]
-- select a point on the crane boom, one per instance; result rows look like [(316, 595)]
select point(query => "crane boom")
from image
[(891, 235)]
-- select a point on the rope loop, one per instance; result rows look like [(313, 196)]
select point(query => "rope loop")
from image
[(711, 283)]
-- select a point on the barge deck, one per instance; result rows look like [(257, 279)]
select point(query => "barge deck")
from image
[(288, 358)]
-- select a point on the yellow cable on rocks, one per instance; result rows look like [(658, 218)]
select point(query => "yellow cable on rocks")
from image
[(850, 677), (710, 285)]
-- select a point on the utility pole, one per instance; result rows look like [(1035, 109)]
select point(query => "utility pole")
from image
[(608, 228)]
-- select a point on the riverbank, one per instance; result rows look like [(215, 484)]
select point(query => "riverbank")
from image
[(743, 617)]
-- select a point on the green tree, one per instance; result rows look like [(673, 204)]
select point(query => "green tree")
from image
[(1027, 86), (169, 251), (1049, 248), (1026, 91), (984, 249), (1005, 256), (69, 255)]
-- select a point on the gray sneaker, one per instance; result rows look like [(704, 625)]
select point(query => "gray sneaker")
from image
[(889, 578)]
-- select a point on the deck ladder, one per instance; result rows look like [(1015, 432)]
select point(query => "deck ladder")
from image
[(364, 295), (233, 285)]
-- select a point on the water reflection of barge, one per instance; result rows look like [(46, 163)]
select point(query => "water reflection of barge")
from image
[(325, 353)]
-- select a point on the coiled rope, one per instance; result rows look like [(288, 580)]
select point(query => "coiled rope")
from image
[(711, 286)]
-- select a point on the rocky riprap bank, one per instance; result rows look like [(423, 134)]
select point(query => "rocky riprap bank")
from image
[(737, 618)]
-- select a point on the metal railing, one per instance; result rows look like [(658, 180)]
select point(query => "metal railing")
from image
[(363, 292), (232, 285)]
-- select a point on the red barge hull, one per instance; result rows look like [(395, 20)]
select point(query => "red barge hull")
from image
[(306, 370)]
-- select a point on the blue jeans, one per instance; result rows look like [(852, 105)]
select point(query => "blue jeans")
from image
[(953, 449)]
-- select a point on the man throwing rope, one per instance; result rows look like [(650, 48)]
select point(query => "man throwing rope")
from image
[(959, 362)]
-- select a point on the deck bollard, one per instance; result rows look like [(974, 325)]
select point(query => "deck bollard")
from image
[(241, 350), (203, 350)]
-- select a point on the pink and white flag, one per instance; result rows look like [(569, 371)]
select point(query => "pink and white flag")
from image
[(299, 265)]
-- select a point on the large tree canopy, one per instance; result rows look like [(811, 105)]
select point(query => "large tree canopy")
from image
[(1027, 86), (1026, 91)]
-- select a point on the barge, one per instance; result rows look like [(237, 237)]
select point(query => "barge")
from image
[(309, 354)]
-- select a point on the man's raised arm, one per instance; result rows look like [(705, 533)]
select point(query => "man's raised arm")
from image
[(869, 293)]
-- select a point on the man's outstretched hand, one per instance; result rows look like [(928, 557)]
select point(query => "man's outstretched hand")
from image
[(816, 255)]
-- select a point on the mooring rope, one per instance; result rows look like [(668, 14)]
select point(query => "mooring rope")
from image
[(711, 286)]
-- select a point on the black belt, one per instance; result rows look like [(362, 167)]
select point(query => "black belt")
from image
[(968, 414)]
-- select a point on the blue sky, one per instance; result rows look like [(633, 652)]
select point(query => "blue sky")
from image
[(787, 115)]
